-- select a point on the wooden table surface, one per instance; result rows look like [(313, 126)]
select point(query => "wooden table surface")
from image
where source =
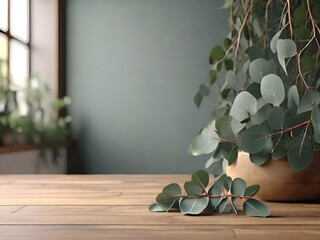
[(93, 207)]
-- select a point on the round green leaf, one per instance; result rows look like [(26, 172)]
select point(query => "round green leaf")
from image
[(161, 207), (192, 189), (238, 186), (193, 206), (300, 14), (259, 159), (217, 53), (300, 153), (251, 190), (307, 63), (213, 76), (276, 117), (201, 179), (243, 105), (206, 142), (255, 208), (254, 139), (227, 183), (260, 68), (228, 64), (165, 197), (286, 48), (222, 205), (272, 89), (302, 33), (315, 116), (172, 189)]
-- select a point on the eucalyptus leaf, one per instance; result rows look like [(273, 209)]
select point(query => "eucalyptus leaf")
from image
[(227, 183), (238, 186), (286, 48), (251, 190), (217, 53), (161, 207), (198, 99), (300, 153), (204, 89), (192, 189), (222, 205), (215, 190), (300, 14), (165, 198), (293, 98), (237, 126), (255, 208), (276, 117), (206, 142), (307, 63), (315, 116), (232, 81), (272, 89), (243, 105), (172, 189), (254, 139), (280, 150), (193, 206), (259, 159), (260, 68), (308, 101), (254, 90), (200, 178), (274, 40)]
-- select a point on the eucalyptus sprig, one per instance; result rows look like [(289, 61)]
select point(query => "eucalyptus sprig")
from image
[(221, 197), (267, 76)]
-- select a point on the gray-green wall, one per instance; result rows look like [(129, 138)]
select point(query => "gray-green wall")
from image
[(133, 67)]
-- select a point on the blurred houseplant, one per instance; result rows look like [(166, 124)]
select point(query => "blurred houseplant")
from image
[(267, 78), (41, 125)]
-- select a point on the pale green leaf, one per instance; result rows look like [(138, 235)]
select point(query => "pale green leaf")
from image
[(193, 206), (272, 89), (243, 105), (293, 98), (192, 189), (260, 68), (255, 208), (274, 40), (286, 48)]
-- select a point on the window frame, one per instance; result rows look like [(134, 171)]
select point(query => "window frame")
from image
[(10, 38)]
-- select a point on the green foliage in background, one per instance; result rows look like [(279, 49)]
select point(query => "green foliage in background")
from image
[(41, 125), (267, 79), (221, 197)]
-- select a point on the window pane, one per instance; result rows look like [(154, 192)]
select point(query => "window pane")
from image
[(19, 71), (19, 20), (4, 15), (3, 59)]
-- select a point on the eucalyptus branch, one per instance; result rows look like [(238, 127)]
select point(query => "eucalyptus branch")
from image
[(239, 35), (291, 128), (289, 19)]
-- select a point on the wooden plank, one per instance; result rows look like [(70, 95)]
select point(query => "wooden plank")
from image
[(116, 207)]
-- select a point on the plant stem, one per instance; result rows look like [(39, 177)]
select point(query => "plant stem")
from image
[(289, 19), (289, 129), (215, 196)]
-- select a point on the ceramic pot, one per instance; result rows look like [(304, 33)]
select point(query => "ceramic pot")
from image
[(277, 180)]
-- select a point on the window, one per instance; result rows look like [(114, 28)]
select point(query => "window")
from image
[(15, 47)]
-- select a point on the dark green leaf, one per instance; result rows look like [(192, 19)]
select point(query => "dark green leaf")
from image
[(238, 186), (217, 53), (315, 116), (254, 139), (254, 89), (276, 117), (251, 190), (280, 150), (259, 159), (227, 42), (307, 63), (172, 189), (198, 99), (302, 33), (228, 64), (193, 206), (300, 153), (227, 183), (255, 208), (201, 179), (225, 93), (213, 76), (300, 14), (192, 189), (222, 205), (165, 198), (215, 190)]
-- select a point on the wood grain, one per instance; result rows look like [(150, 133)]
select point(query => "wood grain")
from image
[(116, 207)]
